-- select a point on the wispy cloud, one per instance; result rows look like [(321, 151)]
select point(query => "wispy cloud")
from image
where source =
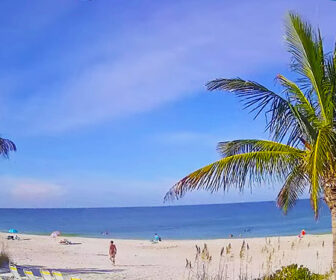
[(102, 191), (28, 192), (128, 64)]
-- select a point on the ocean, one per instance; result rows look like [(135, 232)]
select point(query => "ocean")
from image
[(255, 219)]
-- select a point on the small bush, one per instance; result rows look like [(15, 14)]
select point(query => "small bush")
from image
[(4, 258), (295, 272)]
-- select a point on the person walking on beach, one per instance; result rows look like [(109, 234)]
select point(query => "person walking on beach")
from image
[(113, 252)]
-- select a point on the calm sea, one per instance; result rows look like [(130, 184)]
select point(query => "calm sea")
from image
[(172, 222)]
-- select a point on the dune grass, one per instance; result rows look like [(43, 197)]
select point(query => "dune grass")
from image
[(273, 266), (4, 257)]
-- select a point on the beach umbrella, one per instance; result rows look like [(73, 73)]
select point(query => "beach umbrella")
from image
[(54, 234), (12, 230)]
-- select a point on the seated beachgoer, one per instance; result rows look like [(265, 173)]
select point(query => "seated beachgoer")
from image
[(156, 238), (65, 242), (10, 237)]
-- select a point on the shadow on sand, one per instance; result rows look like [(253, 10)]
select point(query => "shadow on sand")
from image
[(36, 270)]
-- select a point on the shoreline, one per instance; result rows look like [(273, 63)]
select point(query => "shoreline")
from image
[(3, 234), (70, 235), (141, 259)]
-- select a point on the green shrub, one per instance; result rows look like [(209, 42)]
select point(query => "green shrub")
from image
[(295, 272)]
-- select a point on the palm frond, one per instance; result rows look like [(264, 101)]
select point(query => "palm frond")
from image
[(298, 98), (6, 146), (280, 120), (230, 148), (330, 85), (236, 170), (294, 186), (320, 160), (307, 57), (303, 130), (281, 117), (331, 74), (254, 95)]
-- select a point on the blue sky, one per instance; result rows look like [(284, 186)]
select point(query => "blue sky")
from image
[(106, 101)]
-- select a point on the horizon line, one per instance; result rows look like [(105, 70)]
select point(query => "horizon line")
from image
[(154, 206)]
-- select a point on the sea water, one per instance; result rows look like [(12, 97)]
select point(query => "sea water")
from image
[(170, 222)]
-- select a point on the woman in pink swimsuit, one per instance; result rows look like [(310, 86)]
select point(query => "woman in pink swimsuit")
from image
[(113, 252)]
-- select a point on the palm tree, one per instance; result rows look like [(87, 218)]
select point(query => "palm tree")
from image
[(301, 152)]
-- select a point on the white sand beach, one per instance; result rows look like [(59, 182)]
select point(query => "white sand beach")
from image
[(140, 259)]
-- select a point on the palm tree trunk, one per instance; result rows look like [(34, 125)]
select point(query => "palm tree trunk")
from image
[(330, 198), (333, 226)]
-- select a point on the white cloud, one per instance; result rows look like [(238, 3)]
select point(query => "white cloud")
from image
[(102, 191), (30, 192)]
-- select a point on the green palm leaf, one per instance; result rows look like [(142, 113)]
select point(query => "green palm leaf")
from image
[(297, 97), (320, 162), (230, 148), (282, 116), (280, 119), (307, 58), (296, 182), (236, 170), (253, 95)]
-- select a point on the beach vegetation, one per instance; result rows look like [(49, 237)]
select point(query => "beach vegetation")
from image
[(4, 257), (300, 152), (295, 272), (202, 268)]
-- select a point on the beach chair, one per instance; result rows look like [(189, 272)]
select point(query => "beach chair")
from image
[(46, 275), (57, 275), (74, 278), (29, 274), (14, 271)]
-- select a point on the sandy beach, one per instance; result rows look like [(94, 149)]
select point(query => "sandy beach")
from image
[(140, 259)]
